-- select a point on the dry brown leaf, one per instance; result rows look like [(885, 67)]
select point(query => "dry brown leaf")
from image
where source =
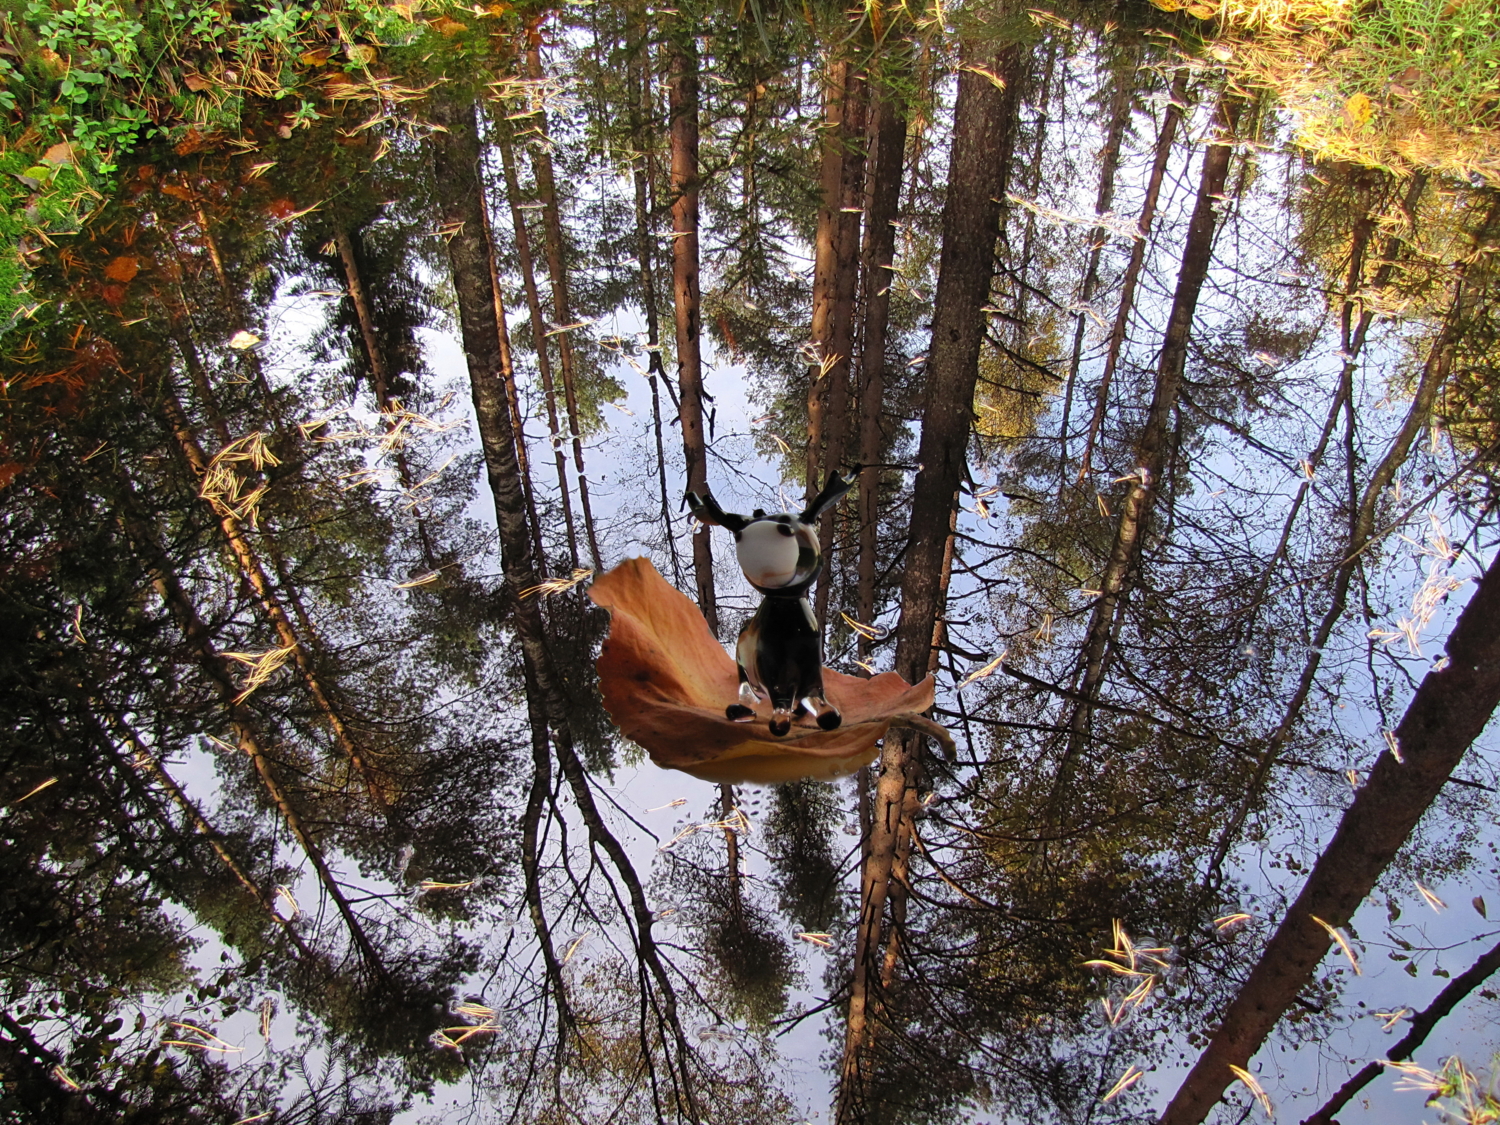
[(122, 270), (445, 25), (197, 83), (666, 681)]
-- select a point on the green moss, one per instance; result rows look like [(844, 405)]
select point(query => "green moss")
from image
[(104, 77)]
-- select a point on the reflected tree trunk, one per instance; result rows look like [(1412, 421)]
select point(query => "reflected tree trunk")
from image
[(250, 567), (883, 198), (1362, 531), (546, 185), (142, 761), (835, 279), (512, 391), (381, 378), (688, 305), (984, 122), (1121, 104), (538, 326), (643, 183), (218, 669), (1171, 121), (1449, 710), (455, 152), (1151, 451)]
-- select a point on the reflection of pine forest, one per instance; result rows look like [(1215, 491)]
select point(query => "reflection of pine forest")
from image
[(346, 344)]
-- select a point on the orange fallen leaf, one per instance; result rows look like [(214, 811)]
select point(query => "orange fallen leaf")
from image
[(197, 83), (122, 269), (666, 681), (60, 153)]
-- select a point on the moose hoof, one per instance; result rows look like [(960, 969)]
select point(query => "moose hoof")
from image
[(829, 720), (781, 727), (739, 713)]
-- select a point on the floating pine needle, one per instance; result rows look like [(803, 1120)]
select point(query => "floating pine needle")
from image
[(221, 744), (1435, 588), (473, 1010), (983, 673), (1106, 220), (62, 1076), (420, 580), (225, 488), (77, 624), (1119, 970), (208, 1041), (995, 79), (868, 632), (818, 938), (51, 781), (1044, 631), (558, 585), (670, 805), (1254, 1087), (1224, 923), (262, 665), (573, 946), (1390, 1019), (435, 885), (1134, 963), (1414, 1077), (267, 1013), (1343, 943), (283, 893), (1131, 1076), (468, 1031), (1437, 904), (261, 1116), (1394, 745)]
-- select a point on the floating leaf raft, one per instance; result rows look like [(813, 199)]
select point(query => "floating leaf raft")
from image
[(666, 682)]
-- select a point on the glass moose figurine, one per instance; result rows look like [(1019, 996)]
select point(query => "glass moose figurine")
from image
[(780, 649)]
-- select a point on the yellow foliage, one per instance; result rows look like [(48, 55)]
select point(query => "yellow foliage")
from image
[(1012, 394)]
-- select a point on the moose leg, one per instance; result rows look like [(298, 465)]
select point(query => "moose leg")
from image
[(826, 714), (750, 692), (781, 715), (744, 710)]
